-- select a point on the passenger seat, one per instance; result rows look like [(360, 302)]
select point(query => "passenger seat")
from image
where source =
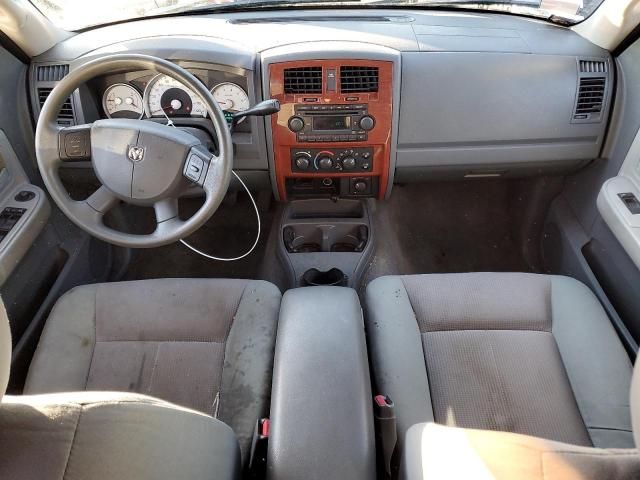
[(507, 352)]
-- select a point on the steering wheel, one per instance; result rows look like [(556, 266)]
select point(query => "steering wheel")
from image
[(137, 161)]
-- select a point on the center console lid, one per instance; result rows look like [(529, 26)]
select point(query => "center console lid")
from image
[(321, 411)]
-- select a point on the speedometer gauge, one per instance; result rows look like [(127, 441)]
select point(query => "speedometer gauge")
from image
[(165, 95), (122, 101), (230, 97)]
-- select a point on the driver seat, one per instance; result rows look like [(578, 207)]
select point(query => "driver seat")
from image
[(203, 344)]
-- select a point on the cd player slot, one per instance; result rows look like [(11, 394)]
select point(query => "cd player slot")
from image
[(338, 112)]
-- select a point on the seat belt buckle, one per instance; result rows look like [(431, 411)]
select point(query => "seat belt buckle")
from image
[(386, 430), (259, 445)]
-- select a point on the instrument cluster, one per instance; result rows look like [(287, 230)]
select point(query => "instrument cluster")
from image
[(139, 96)]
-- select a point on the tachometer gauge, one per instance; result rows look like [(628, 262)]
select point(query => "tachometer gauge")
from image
[(164, 94), (122, 101), (231, 97)]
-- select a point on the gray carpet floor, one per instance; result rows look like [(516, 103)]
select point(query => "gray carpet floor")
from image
[(423, 228)]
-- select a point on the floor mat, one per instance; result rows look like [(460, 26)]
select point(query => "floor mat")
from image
[(447, 227), (230, 232)]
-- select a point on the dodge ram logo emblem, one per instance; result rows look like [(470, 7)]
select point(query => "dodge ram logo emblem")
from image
[(136, 154)]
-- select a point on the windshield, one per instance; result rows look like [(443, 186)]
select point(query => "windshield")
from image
[(79, 14)]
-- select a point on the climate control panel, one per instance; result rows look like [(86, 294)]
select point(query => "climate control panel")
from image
[(330, 160)]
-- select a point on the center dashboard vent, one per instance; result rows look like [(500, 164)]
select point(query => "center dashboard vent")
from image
[(303, 80), (358, 79), (65, 115)]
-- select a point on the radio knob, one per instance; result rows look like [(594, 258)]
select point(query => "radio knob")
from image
[(366, 122), (349, 163), (302, 162), (296, 124), (325, 163)]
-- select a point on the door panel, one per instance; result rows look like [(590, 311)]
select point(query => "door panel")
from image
[(42, 255)]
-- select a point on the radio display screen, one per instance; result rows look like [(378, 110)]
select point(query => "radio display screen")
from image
[(332, 122)]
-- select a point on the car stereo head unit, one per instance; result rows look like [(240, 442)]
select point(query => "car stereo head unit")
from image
[(331, 123)]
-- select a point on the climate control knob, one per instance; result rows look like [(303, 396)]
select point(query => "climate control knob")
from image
[(302, 162), (348, 163), (325, 163), (366, 122), (296, 124)]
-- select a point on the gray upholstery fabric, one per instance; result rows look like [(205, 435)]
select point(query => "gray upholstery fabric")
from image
[(510, 381), (435, 452), (106, 436), (5, 350), (186, 341), (597, 365), (396, 353), (478, 301), (248, 361), (523, 353)]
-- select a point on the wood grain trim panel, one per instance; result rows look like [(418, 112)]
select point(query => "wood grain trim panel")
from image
[(380, 106)]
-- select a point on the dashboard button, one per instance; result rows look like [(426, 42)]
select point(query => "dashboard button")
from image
[(193, 168)]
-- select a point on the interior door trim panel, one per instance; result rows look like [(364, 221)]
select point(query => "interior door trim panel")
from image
[(624, 224), (24, 210)]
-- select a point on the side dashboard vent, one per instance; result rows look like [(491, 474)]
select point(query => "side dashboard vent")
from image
[(590, 97), (358, 79), (303, 80), (593, 66), (65, 115), (51, 73)]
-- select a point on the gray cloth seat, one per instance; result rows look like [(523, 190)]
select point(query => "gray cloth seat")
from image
[(107, 435), (435, 452), (509, 352), (204, 344)]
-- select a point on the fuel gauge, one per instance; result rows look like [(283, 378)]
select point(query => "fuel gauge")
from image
[(122, 101)]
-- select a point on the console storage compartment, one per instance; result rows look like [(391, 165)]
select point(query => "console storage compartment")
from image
[(321, 403)]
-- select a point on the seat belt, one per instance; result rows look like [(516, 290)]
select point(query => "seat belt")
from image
[(259, 446), (386, 430)]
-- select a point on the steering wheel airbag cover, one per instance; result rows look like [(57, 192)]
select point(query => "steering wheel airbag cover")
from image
[(140, 162)]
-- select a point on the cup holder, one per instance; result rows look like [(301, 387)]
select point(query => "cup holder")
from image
[(311, 238), (334, 277)]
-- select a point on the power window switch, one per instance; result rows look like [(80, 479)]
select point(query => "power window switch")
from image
[(631, 202)]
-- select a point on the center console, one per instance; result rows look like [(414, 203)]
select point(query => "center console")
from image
[(332, 137), (321, 401)]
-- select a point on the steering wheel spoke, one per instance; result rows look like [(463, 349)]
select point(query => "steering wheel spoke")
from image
[(215, 171), (166, 210), (167, 218), (74, 143), (102, 200)]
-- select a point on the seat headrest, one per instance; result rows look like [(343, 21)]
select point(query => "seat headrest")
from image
[(635, 403)]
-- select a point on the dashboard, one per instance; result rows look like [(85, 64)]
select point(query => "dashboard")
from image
[(369, 98)]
